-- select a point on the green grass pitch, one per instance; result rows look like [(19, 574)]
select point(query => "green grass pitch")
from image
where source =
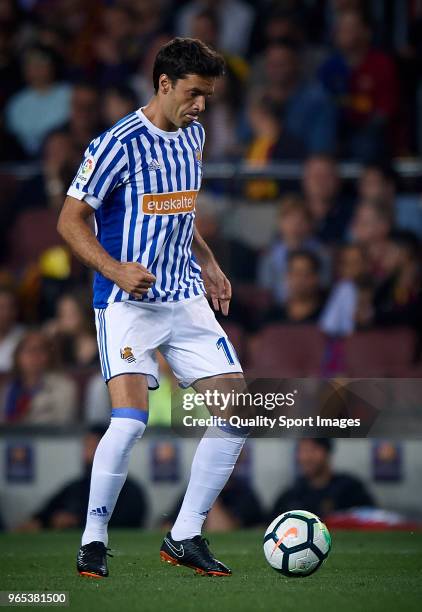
[(365, 571)]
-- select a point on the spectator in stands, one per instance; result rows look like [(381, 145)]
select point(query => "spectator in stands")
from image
[(305, 297), (235, 16), (269, 142), (322, 17), (150, 19), (319, 489), (35, 251), (279, 23), (42, 105), (10, 82), (72, 330), (85, 118), (10, 150), (339, 315), (309, 114), (37, 395), (380, 182), (10, 331), (409, 68), (365, 310), (208, 220), (207, 27), (370, 227), (10, 78), (330, 209), (36, 204), (115, 47), (117, 103), (237, 258), (47, 189), (271, 138), (66, 509), (237, 507), (363, 82), (58, 164), (141, 80), (398, 300), (294, 231), (221, 118)]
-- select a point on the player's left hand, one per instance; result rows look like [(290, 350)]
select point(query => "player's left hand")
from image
[(217, 286)]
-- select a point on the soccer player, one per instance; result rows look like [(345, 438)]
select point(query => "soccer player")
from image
[(141, 178)]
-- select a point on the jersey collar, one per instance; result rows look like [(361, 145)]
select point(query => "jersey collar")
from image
[(154, 129)]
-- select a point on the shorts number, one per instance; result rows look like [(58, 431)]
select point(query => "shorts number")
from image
[(223, 344)]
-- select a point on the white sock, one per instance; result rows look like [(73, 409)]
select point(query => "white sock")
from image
[(109, 470), (212, 465)]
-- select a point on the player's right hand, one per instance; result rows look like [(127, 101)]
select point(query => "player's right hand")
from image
[(134, 278)]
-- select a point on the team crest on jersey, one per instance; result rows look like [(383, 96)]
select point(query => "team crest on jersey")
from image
[(86, 169), (198, 156), (127, 354), (154, 165)]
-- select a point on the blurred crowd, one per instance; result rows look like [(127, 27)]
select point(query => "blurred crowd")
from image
[(317, 487), (311, 82), (339, 77)]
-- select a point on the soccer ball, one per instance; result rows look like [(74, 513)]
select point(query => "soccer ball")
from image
[(296, 543)]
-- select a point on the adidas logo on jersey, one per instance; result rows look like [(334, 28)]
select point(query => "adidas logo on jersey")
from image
[(99, 511), (154, 165)]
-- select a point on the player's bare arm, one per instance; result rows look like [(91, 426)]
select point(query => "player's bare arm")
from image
[(216, 282), (74, 228)]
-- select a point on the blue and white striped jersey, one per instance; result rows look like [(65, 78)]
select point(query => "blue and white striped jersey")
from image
[(143, 184)]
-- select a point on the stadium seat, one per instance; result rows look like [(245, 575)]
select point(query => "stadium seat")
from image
[(26, 245), (381, 352), (286, 351), (253, 298)]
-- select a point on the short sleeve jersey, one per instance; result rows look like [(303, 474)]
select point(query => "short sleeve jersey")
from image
[(143, 183)]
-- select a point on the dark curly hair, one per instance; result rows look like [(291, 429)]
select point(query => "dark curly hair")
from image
[(183, 56)]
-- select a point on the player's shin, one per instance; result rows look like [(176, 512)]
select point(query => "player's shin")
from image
[(110, 468), (212, 466)]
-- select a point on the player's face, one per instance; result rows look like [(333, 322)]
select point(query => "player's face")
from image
[(186, 98)]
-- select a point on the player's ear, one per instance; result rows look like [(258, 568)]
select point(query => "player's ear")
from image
[(164, 83)]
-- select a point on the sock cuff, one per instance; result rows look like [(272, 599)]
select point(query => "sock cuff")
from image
[(130, 413), (227, 431), (238, 432)]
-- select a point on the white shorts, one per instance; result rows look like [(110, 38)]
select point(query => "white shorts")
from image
[(187, 334)]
